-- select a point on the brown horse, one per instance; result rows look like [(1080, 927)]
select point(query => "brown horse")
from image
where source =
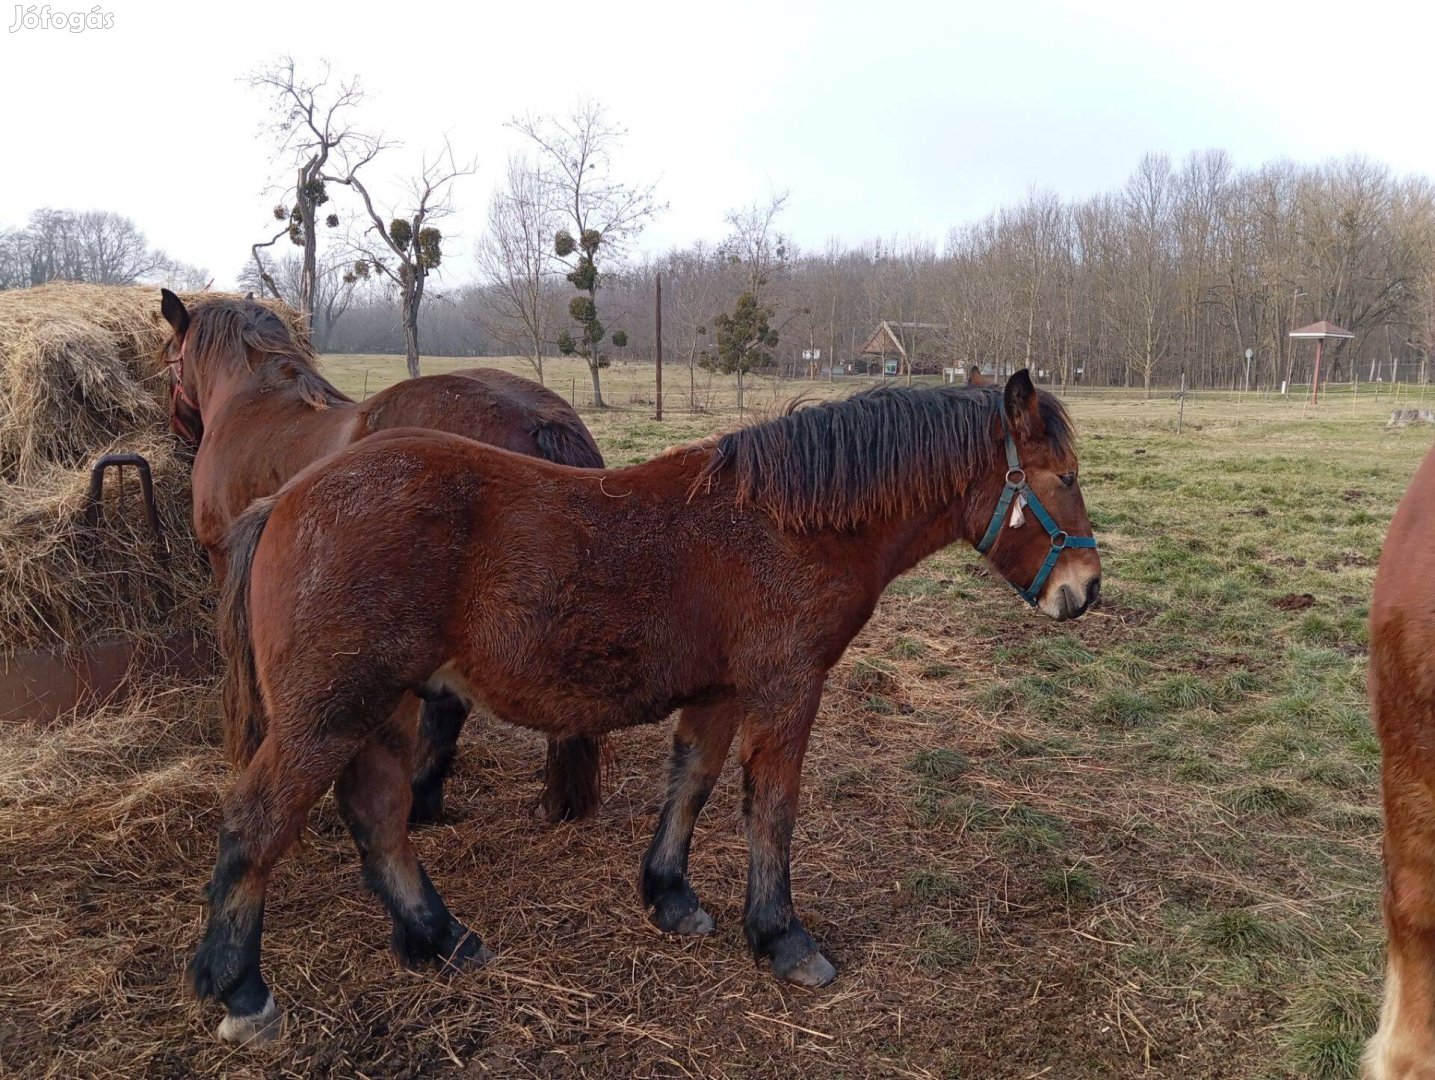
[(1402, 701), (251, 399), (976, 378), (723, 582)]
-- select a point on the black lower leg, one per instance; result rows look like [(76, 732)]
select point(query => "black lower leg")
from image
[(373, 796), (226, 966), (441, 722), (425, 932), (768, 917), (771, 768), (698, 752)]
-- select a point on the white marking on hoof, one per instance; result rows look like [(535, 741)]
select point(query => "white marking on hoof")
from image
[(813, 972), (261, 1027), (1400, 1049), (697, 922)]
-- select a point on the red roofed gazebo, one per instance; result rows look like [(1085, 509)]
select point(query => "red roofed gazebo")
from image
[(1318, 332)]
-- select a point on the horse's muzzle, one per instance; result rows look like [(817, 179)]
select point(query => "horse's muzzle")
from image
[(1070, 606)]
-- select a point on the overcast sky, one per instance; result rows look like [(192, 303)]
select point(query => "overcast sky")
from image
[(881, 119)]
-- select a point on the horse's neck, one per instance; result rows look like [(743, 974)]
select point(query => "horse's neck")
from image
[(243, 389), (256, 436), (899, 544)]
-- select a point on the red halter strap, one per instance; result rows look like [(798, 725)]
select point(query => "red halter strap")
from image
[(178, 393)]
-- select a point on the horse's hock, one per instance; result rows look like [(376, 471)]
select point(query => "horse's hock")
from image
[(102, 585)]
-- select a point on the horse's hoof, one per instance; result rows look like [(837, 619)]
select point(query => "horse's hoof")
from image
[(253, 1030), (695, 922), (682, 917), (813, 971), (470, 955)]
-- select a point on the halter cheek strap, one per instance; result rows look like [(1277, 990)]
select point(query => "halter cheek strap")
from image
[(1060, 540), (177, 394)]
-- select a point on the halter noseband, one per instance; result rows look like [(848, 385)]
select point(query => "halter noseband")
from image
[(1060, 540), (178, 393)]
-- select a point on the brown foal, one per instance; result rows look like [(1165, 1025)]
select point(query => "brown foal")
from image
[(723, 583)]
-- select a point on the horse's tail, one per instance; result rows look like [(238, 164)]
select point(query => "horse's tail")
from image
[(564, 440), (573, 777), (243, 704)]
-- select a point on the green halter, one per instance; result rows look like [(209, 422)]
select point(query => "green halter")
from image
[(1060, 540)]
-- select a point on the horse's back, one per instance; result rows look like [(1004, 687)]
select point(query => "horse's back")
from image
[(488, 406)]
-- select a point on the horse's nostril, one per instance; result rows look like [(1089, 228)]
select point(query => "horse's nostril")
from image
[(1093, 591)]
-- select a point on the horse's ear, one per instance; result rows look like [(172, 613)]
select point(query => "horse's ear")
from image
[(1022, 408), (249, 296), (174, 312)]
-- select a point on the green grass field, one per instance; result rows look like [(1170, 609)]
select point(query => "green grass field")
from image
[(1144, 843)]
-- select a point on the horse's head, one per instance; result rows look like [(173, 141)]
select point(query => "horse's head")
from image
[(1030, 518), (184, 413)]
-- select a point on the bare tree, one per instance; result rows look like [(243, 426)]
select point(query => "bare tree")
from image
[(514, 262), (755, 245), (334, 287), (744, 336), (407, 249), (311, 124), (690, 288), (1145, 300), (95, 246), (601, 216)]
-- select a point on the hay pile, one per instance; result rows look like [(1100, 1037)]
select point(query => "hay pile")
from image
[(80, 377)]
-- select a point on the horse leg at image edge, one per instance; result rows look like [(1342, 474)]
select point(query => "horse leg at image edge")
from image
[(1403, 1047)]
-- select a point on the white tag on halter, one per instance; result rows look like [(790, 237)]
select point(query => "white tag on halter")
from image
[(1018, 519)]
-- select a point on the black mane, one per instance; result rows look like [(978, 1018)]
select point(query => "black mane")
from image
[(879, 452), (248, 334)]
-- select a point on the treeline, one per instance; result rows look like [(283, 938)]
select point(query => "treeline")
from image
[(1181, 270), (95, 246)]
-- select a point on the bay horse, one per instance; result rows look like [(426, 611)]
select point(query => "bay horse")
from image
[(1402, 703), (251, 399), (723, 582)]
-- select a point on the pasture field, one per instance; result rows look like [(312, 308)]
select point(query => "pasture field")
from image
[(1141, 844)]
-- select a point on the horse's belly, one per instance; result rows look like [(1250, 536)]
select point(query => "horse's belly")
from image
[(555, 709)]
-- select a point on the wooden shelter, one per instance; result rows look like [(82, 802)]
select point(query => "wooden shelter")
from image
[(1318, 332), (891, 342)]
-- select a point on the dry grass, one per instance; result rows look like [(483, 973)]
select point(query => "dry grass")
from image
[(80, 377), (110, 820), (1143, 844)]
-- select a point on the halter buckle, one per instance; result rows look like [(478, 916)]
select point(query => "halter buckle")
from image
[(1016, 477)]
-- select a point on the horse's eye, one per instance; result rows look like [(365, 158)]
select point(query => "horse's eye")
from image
[(1068, 478)]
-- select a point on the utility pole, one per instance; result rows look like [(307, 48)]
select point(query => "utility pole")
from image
[(658, 342)]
